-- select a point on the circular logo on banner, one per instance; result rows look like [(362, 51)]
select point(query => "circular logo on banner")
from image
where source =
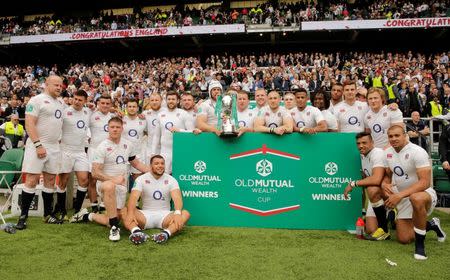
[(242, 123), (366, 172), (272, 125), (377, 128), (80, 124), (157, 195), (353, 120), (168, 125), (200, 166), (301, 124), (264, 167), (120, 160), (399, 171), (58, 114), (132, 132), (105, 128), (153, 122), (331, 168)]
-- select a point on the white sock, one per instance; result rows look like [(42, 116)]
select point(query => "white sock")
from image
[(168, 231), (135, 229)]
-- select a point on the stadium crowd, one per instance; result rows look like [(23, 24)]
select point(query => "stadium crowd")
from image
[(412, 80), (283, 14)]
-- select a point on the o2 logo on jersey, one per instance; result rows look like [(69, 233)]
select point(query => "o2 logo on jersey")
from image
[(81, 124), (157, 195), (399, 172), (377, 128), (132, 132), (242, 123), (353, 120), (366, 172), (301, 124), (168, 125), (58, 114), (120, 160), (105, 128), (272, 125)]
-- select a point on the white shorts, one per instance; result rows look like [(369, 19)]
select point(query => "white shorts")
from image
[(154, 219), (121, 194), (74, 161), (404, 207), (33, 165)]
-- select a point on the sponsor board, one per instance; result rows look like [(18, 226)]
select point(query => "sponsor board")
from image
[(262, 180)]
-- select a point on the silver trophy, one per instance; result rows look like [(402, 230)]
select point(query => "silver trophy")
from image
[(229, 114)]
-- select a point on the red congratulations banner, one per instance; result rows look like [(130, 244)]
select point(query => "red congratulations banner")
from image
[(130, 33), (418, 22)]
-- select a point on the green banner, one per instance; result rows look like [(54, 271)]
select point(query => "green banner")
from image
[(262, 180)]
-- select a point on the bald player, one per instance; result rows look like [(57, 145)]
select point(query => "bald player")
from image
[(43, 123)]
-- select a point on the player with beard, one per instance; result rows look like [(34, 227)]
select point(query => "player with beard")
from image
[(380, 117), (307, 119), (407, 187), (372, 162), (156, 189), (206, 116), (168, 122), (336, 96), (246, 116), (151, 113), (188, 104), (110, 168), (43, 123), (273, 118), (133, 130), (98, 124), (74, 157)]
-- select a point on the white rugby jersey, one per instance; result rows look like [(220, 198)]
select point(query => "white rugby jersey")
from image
[(155, 193), (150, 117), (330, 119), (405, 163), (379, 123), (98, 124), (114, 157), (48, 111), (273, 119), (309, 117), (351, 117), (246, 117), (75, 128), (208, 109), (375, 158), (163, 137), (133, 130)]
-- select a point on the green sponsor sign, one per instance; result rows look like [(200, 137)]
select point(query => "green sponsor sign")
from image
[(261, 180)]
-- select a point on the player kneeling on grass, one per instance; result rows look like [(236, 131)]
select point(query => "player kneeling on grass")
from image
[(109, 167), (407, 187), (155, 188), (372, 162)]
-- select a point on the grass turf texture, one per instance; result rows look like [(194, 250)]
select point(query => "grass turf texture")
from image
[(83, 251)]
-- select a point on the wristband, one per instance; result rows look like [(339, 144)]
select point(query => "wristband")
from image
[(302, 129), (34, 142), (272, 130), (40, 145), (353, 184), (177, 212), (37, 144)]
